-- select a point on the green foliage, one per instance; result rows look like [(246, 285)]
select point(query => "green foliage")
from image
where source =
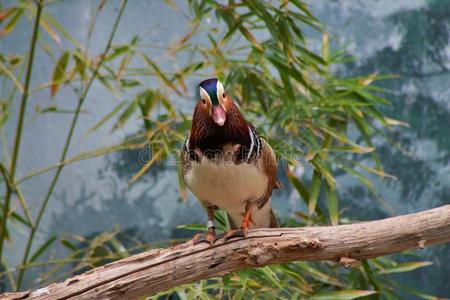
[(259, 49), (297, 280)]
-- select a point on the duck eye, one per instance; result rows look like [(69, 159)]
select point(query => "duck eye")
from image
[(203, 100), (223, 95)]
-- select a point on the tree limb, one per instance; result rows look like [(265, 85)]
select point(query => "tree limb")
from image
[(160, 269)]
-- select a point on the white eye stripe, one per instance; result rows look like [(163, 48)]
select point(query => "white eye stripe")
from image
[(220, 89), (204, 94), (187, 142)]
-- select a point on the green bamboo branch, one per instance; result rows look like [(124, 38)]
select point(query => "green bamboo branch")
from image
[(11, 76), (66, 146), (15, 188), (73, 259), (128, 145), (9, 274), (91, 27), (20, 121)]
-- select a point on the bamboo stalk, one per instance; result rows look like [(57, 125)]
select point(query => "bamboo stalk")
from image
[(66, 146), (20, 121)]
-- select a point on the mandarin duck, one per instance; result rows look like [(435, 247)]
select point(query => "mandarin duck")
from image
[(227, 166)]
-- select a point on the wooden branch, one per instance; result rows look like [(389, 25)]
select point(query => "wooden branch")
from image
[(160, 269)]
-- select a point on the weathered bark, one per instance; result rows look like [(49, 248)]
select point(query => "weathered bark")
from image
[(160, 269)]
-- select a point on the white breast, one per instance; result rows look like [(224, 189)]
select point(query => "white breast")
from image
[(229, 186)]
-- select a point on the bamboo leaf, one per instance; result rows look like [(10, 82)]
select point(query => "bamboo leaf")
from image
[(119, 248), (147, 101), (332, 203), (324, 170), (194, 26), (226, 279), (147, 166), (250, 37), (15, 188), (126, 115), (221, 220), (107, 117), (9, 273), (41, 250), (51, 32), (343, 295), (118, 51), (394, 122), (342, 138), (15, 216), (380, 173), (306, 268), (52, 21), (364, 130), (271, 276), (80, 65), (181, 185), (168, 106), (59, 73), (7, 235), (315, 189), (325, 47), (161, 75), (371, 276), (68, 244), (301, 189), (8, 73), (419, 294), (6, 13), (287, 69), (239, 295), (12, 23), (197, 227), (358, 175), (406, 267)]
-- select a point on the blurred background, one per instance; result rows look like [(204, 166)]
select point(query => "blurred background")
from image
[(119, 190)]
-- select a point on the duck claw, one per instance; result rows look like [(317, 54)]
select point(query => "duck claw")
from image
[(235, 233), (209, 238)]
